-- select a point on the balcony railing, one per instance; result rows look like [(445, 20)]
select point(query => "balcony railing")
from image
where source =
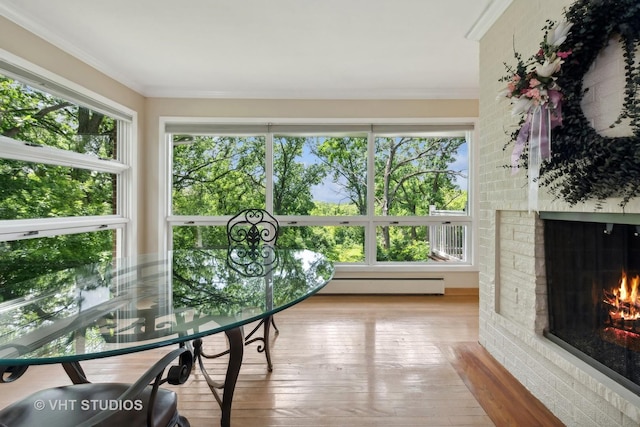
[(447, 241)]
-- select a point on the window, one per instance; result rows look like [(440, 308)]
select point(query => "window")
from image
[(214, 174), (362, 194), (320, 175), (65, 180)]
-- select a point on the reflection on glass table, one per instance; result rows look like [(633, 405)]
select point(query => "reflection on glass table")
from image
[(149, 301)]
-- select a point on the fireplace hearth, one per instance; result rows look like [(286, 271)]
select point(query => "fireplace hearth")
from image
[(593, 290)]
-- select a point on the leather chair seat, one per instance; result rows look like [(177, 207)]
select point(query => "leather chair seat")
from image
[(70, 406)]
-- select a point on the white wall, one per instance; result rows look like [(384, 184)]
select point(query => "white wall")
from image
[(512, 282)]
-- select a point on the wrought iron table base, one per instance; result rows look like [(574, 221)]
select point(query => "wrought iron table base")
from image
[(236, 353), (266, 323)]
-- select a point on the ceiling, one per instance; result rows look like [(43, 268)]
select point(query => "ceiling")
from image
[(322, 49)]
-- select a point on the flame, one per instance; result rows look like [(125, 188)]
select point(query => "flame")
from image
[(626, 305)]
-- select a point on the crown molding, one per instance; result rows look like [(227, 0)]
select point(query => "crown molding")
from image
[(489, 16), (13, 13), (371, 94)]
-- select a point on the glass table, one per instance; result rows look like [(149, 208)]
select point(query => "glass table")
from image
[(133, 304)]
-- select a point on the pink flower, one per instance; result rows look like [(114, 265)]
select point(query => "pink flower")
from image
[(534, 82), (564, 55), (533, 93)]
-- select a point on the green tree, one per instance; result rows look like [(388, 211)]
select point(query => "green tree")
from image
[(292, 179), (412, 174), (222, 175), (31, 190), (346, 159), (217, 175)]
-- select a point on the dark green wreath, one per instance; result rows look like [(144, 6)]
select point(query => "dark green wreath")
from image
[(585, 165)]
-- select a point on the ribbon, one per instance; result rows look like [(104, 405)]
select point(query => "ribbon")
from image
[(536, 128), (539, 149), (555, 98), (521, 139)]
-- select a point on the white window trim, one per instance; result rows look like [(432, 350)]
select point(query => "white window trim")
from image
[(166, 220), (21, 229), (20, 69), (20, 150)]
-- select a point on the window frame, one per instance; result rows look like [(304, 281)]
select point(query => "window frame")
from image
[(317, 127), (122, 221)]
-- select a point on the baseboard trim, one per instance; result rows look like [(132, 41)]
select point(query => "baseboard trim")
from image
[(425, 285), (462, 292)]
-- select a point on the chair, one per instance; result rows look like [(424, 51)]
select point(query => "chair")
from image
[(104, 404), (252, 235)]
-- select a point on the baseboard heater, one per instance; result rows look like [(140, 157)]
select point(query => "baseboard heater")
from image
[(427, 285)]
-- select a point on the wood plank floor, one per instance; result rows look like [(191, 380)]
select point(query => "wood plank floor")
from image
[(349, 361)]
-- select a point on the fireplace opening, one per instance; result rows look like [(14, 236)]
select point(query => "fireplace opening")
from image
[(593, 290)]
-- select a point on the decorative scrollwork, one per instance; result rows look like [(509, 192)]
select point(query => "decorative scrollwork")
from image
[(11, 373), (178, 374), (252, 236)]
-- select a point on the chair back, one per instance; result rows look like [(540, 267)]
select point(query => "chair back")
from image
[(252, 235)]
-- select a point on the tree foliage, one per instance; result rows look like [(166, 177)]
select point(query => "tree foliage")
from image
[(30, 190), (410, 174), (346, 161)]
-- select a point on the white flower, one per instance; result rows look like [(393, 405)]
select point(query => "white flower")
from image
[(504, 93), (549, 67), (521, 106), (559, 33)]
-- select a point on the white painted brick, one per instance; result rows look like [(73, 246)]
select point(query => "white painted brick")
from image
[(513, 336)]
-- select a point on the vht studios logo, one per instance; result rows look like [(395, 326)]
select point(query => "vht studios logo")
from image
[(88, 405)]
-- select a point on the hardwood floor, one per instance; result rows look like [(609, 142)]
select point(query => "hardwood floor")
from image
[(349, 361)]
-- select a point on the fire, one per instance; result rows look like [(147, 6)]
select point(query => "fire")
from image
[(624, 304)]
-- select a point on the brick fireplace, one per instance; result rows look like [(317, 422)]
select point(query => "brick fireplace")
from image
[(514, 312), (514, 316), (592, 265)]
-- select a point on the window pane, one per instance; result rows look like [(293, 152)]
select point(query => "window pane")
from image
[(217, 175), (39, 118), (338, 243), (30, 190), (25, 259), (199, 237), (442, 242), (413, 173), (319, 175)]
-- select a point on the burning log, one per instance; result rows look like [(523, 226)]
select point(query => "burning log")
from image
[(621, 313), (626, 339), (623, 302)]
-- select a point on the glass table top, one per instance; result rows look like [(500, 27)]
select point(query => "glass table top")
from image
[(149, 301)]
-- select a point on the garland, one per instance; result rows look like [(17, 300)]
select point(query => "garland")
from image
[(582, 164)]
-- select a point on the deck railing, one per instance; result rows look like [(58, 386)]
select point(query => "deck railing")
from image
[(447, 241)]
